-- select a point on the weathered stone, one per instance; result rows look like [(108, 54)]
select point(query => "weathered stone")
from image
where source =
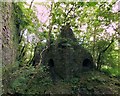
[(8, 30), (8, 41), (69, 58)]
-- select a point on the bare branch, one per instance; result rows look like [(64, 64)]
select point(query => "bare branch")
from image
[(31, 4)]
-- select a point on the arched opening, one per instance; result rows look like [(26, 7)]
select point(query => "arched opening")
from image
[(51, 63), (52, 70), (86, 63)]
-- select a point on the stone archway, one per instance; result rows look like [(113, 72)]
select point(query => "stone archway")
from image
[(51, 63), (86, 63)]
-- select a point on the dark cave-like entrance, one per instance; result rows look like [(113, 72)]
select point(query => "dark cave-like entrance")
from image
[(51, 63), (52, 69), (86, 63)]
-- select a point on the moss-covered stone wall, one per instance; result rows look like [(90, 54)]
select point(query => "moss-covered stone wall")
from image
[(0, 49), (8, 40), (8, 29)]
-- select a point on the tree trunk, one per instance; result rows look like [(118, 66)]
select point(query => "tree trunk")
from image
[(101, 53)]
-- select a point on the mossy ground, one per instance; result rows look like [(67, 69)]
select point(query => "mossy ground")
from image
[(93, 83)]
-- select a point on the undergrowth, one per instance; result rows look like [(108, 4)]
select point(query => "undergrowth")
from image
[(29, 80)]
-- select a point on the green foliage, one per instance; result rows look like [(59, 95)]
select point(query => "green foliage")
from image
[(111, 71), (28, 24), (87, 19), (74, 84), (25, 17), (25, 80)]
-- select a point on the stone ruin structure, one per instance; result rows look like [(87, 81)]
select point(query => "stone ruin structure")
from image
[(66, 58)]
